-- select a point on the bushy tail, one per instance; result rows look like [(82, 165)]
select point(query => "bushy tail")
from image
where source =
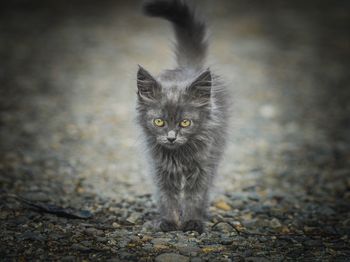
[(190, 32)]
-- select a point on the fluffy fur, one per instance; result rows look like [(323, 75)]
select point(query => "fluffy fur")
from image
[(184, 159)]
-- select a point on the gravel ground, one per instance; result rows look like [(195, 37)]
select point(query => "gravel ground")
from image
[(68, 135)]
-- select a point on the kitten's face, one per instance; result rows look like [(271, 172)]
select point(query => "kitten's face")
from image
[(172, 125), (171, 114)]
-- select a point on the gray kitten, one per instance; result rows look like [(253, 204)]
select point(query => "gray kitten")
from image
[(183, 113)]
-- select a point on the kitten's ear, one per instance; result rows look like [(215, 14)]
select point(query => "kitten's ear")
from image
[(148, 87), (200, 88)]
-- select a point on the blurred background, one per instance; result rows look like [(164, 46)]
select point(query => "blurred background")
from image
[(67, 98)]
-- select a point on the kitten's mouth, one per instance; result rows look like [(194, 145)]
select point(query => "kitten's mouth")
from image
[(170, 145)]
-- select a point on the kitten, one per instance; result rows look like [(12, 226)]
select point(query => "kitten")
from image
[(183, 114)]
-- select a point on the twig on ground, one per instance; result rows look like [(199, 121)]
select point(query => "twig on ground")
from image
[(244, 233), (53, 209)]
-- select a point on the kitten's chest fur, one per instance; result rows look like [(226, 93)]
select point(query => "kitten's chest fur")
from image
[(176, 162), (179, 169)]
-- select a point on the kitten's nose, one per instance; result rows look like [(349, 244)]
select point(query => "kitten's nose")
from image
[(171, 136), (171, 139)]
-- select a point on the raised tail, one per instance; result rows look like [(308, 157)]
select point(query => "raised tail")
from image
[(190, 32)]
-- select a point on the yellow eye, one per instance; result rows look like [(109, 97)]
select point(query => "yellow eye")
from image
[(158, 122), (185, 123)]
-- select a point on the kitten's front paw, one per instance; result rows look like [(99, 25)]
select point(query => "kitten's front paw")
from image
[(166, 225), (193, 225)]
